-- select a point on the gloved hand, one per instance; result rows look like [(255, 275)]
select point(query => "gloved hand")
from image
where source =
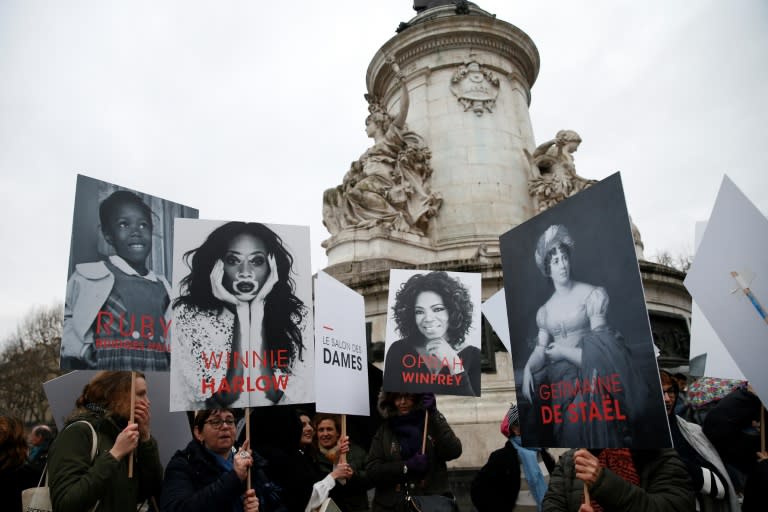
[(417, 463), (429, 402)]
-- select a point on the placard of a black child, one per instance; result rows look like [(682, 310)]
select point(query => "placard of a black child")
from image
[(582, 349), (433, 333), (242, 315), (116, 312), (341, 356)]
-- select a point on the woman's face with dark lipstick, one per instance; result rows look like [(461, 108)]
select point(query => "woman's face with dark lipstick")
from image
[(245, 266)]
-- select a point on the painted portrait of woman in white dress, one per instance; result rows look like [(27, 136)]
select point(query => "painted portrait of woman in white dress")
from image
[(581, 342)]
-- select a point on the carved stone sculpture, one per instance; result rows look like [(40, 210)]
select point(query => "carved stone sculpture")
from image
[(389, 185), (553, 172), (475, 87)]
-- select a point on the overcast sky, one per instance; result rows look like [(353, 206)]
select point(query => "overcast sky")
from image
[(250, 109)]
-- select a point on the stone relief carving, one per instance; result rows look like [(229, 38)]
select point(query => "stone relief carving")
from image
[(475, 87), (389, 185), (553, 172)]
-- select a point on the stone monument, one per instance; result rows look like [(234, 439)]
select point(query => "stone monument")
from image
[(453, 165)]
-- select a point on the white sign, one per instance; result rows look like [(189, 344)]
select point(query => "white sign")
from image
[(705, 345), (170, 429), (341, 356), (729, 281), (495, 311)]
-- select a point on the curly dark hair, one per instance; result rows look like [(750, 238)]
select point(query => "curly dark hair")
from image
[(455, 298), (283, 311)]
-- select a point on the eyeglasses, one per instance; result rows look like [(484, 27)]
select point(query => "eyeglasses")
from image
[(217, 423)]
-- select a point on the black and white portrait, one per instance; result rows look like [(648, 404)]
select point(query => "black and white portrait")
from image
[(242, 315), (116, 311), (582, 349), (433, 333)]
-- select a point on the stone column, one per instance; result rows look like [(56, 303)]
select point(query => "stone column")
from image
[(469, 79)]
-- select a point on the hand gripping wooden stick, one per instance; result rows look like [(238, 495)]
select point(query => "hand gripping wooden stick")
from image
[(130, 421)]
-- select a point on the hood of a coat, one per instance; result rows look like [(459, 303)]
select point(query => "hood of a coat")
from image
[(386, 403)]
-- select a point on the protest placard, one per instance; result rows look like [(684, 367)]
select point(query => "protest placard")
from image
[(709, 357), (729, 281), (242, 315), (495, 311), (433, 332), (341, 355), (116, 311), (582, 349)]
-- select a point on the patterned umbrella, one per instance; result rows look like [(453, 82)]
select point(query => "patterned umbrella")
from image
[(706, 390)]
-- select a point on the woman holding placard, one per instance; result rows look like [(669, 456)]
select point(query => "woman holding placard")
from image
[(78, 482), (352, 496), (237, 301), (209, 474), (579, 363), (433, 314), (403, 455)]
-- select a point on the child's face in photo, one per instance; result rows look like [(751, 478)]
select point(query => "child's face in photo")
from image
[(129, 231)]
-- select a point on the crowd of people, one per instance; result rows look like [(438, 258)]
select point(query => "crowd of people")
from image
[(291, 461), (295, 461)]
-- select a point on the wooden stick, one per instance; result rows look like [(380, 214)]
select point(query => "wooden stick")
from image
[(248, 439), (586, 494), (343, 456), (424, 436), (131, 421)]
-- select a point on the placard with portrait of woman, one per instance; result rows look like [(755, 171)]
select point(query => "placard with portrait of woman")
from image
[(242, 315), (433, 333), (582, 349), (117, 313)]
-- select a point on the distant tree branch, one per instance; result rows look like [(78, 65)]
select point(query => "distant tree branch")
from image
[(29, 358)]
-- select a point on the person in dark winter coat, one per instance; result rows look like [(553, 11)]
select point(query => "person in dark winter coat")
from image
[(395, 459), (498, 481), (714, 490), (352, 495), (76, 482), (209, 474), (15, 474), (39, 442), (620, 480), (730, 425), (284, 439)]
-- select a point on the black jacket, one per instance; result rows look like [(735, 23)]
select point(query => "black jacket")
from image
[(664, 486), (196, 482), (497, 484), (385, 464)]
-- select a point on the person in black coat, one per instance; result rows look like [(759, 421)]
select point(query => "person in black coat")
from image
[(15, 473), (497, 484), (209, 474)]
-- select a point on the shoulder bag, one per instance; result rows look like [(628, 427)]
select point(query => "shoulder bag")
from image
[(38, 499)]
